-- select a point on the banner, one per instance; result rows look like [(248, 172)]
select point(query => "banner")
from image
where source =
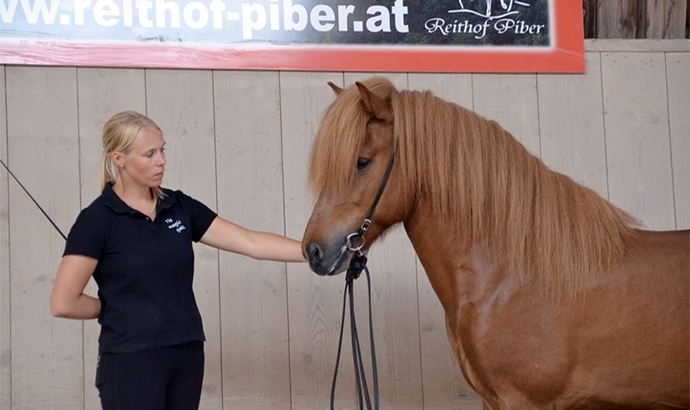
[(354, 35)]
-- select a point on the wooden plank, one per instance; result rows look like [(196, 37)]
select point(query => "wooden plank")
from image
[(43, 151), (653, 19), (510, 100), (589, 10), (102, 93), (392, 263), (314, 301), (638, 45), (181, 103), (5, 325), (666, 19), (572, 125), (443, 383), (678, 86), (637, 136), (621, 19), (256, 366)]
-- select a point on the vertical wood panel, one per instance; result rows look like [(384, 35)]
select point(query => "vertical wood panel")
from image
[(572, 128), (392, 263), (5, 325), (315, 302), (510, 100), (102, 93), (666, 18), (678, 85), (444, 385), (47, 354), (657, 19), (621, 19), (637, 136), (181, 103), (256, 367)]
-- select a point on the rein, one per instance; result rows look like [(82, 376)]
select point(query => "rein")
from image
[(357, 264), (35, 202)]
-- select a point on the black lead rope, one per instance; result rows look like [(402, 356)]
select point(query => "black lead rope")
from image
[(32, 198), (357, 264)]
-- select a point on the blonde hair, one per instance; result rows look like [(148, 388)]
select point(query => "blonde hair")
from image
[(119, 133)]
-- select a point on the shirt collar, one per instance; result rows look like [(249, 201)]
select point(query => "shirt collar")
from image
[(119, 206)]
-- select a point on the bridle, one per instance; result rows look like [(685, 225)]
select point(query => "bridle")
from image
[(358, 262)]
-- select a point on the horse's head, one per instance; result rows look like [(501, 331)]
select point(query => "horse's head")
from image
[(354, 148)]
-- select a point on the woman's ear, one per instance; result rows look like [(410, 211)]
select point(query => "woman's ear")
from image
[(118, 159)]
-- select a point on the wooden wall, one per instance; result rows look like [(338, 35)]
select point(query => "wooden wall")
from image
[(239, 141), (651, 19)]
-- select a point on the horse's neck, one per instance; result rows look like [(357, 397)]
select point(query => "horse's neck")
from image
[(456, 272)]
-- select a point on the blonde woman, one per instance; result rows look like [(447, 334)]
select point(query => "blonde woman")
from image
[(135, 239)]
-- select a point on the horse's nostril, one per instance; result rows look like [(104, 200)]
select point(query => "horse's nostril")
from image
[(314, 253)]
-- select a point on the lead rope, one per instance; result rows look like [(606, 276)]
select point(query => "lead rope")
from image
[(357, 264), (355, 244), (32, 198)]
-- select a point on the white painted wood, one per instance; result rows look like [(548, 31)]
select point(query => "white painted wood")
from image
[(678, 85), (255, 350), (571, 125), (5, 324), (510, 100), (102, 92), (444, 385), (43, 151), (181, 103), (638, 150), (637, 45)]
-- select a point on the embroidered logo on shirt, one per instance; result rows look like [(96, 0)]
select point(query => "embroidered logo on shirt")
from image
[(176, 225)]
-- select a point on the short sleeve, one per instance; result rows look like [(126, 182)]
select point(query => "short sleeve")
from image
[(87, 235), (201, 216)]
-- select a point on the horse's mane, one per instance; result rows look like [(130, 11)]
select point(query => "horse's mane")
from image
[(480, 178)]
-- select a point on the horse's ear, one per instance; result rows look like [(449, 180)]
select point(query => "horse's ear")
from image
[(335, 88), (374, 105)]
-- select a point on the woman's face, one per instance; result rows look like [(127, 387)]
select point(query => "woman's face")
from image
[(144, 164)]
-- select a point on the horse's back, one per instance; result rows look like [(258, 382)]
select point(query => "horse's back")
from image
[(639, 342)]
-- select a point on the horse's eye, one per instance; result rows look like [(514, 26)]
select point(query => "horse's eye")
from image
[(362, 163)]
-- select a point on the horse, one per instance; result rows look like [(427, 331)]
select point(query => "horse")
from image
[(554, 298)]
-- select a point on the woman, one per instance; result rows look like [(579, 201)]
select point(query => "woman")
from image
[(135, 239)]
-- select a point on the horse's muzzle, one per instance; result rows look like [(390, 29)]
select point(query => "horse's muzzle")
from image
[(322, 264)]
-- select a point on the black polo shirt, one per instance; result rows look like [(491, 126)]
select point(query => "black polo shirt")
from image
[(145, 269)]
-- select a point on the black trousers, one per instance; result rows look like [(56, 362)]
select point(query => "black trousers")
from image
[(167, 378)]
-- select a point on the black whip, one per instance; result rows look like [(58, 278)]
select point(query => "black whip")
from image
[(32, 198)]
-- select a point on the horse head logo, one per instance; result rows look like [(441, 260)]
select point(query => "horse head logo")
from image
[(502, 7)]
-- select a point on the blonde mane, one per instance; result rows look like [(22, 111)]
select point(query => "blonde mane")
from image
[(480, 178)]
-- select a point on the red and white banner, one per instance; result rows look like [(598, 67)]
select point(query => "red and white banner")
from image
[(317, 35)]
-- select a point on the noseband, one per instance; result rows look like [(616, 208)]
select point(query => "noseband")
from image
[(357, 264)]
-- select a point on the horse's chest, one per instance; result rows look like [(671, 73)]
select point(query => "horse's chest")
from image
[(503, 350)]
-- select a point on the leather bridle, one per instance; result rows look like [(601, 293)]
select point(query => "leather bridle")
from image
[(358, 262), (357, 249)]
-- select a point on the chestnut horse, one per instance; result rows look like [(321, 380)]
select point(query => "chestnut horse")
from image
[(553, 297)]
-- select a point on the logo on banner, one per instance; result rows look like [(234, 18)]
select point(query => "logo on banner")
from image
[(479, 18)]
